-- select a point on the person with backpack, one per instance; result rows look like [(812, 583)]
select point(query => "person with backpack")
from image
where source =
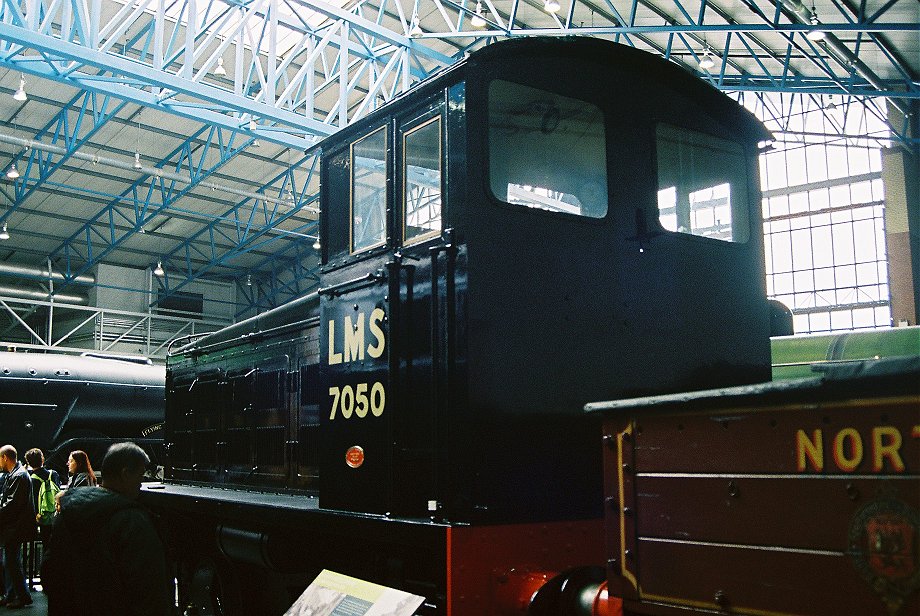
[(46, 483)]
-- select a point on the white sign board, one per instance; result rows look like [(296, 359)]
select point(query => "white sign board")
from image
[(334, 594)]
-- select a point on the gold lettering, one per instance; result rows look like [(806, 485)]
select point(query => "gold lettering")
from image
[(334, 358), (844, 463), (354, 338), (811, 448), (376, 350), (881, 450)]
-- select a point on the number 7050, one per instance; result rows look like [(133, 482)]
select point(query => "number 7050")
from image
[(356, 400)]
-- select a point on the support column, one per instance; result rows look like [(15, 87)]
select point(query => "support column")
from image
[(901, 177)]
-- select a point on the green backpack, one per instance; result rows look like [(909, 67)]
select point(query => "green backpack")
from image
[(47, 496)]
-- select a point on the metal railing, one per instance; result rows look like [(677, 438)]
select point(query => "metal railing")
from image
[(69, 328)]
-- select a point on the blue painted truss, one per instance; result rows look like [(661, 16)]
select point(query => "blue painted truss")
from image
[(293, 71)]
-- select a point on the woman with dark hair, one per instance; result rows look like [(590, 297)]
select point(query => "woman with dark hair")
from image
[(81, 471)]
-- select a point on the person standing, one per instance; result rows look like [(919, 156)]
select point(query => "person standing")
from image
[(105, 556), (81, 471), (35, 458), (17, 525)]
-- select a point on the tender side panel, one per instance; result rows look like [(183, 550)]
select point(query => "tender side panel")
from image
[(247, 414), (752, 581), (788, 508), (805, 438)]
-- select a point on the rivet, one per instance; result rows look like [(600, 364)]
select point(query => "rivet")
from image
[(627, 511), (732, 489), (852, 492), (627, 468), (610, 440)]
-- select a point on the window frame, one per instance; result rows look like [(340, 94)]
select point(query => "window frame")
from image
[(435, 116), (351, 190), (745, 191), (540, 84)]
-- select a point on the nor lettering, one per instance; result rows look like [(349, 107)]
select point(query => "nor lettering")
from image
[(849, 447)]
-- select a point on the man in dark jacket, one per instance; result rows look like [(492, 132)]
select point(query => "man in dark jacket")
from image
[(17, 525), (105, 556)]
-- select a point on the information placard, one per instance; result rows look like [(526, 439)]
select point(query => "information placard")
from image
[(334, 594)]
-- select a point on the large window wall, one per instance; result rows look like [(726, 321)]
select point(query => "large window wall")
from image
[(824, 203)]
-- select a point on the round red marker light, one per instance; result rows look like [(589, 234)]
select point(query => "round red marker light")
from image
[(354, 457)]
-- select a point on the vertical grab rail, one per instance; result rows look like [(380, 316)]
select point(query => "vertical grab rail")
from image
[(394, 316), (442, 355)]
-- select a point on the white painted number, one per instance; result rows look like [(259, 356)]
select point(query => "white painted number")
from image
[(361, 399), (378, 399), (356, 401), (348, 401)]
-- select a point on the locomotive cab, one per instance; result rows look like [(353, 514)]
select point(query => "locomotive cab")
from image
[(510, 240)]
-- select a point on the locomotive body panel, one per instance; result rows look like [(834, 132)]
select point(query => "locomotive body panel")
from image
[(503, 244), (797, 497), (60, 403), (477, 414), (242, 408), (459, 569)]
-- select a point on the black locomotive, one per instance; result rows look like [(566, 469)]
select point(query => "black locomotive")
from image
[(60, 403), (546, 223)]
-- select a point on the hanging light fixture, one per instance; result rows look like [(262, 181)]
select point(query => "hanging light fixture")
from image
[(551, 6), (478, 21), (219, 70), (316, 244), (248, 280), (4, 234), (253, 125), (137, 160), (12, 173), (416, 29), (20, 94), (816, 34), (158, 270), (706, 62)]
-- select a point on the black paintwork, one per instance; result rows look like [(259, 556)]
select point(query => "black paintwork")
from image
[(497, 332), (60, 403)]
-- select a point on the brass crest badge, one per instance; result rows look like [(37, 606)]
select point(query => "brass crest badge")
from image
[(885, 548)]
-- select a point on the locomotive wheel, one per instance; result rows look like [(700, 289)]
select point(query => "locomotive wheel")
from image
[(211, 591)]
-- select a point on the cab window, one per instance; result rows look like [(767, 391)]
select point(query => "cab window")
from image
[(422, 192), (368, 191), (702, 184), (546, 151)]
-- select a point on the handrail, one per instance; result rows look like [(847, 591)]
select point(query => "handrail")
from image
[(340, 287)]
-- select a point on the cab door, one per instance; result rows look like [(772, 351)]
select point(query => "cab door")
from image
[(355, 408), (419, 287)]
